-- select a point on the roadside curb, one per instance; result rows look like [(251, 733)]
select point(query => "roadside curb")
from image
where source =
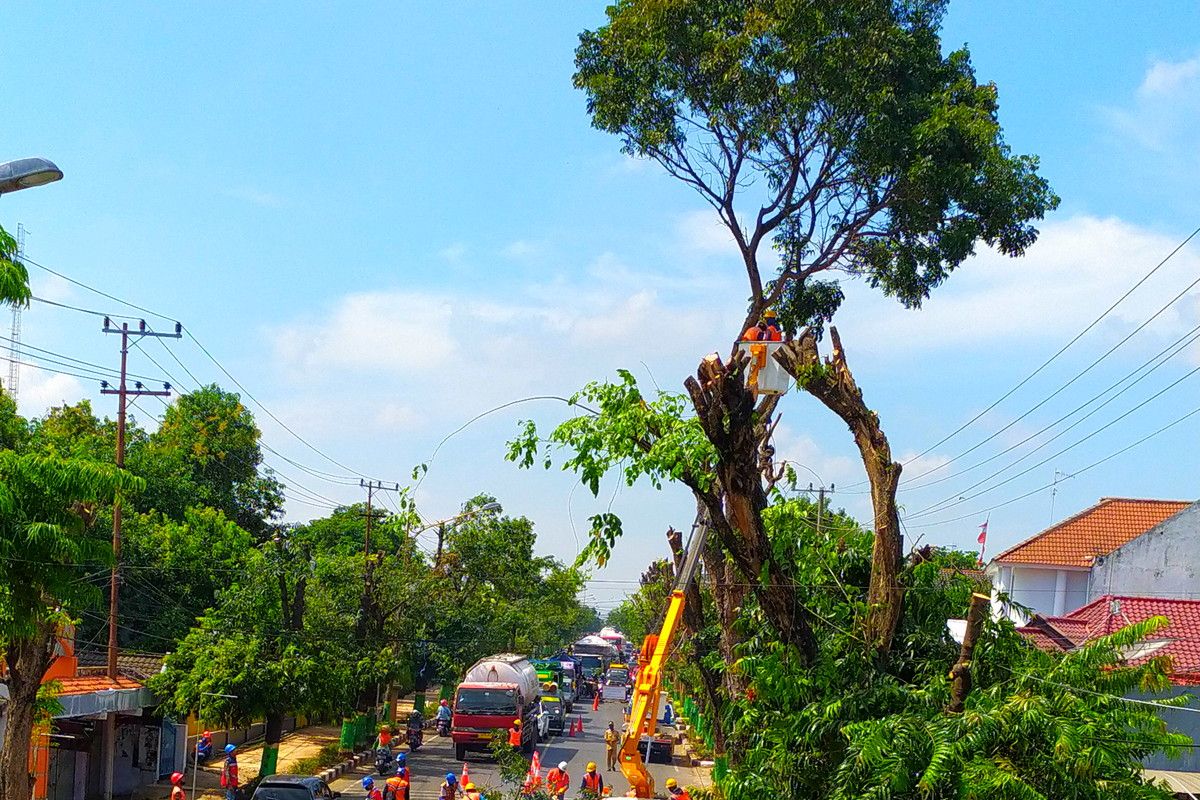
[(358, 759)]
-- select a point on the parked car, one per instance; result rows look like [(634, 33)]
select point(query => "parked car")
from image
[(293, 787)]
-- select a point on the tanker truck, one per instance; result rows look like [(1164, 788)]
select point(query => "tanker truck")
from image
[(495, 691)]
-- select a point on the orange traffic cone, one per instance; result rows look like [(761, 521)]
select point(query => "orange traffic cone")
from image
[(580, 723), (571, 728), (596, 702)]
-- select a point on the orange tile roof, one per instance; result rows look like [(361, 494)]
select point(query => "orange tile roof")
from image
[(85, 684), (1096, 531)]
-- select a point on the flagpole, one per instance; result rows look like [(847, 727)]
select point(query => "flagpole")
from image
[(983, 537)]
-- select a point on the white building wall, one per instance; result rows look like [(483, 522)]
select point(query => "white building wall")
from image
[(1163, 562)]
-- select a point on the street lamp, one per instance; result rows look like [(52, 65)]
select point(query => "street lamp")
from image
[(25, 173)]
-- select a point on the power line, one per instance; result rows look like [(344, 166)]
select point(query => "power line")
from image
[(975, 514), (1179, 345), (933, 509), (1062, 350)]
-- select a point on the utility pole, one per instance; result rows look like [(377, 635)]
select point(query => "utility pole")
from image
[(821, 492), (123, 393), (368, 598), (441, 540)]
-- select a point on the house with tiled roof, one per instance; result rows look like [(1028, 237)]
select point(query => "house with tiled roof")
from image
[(1180, 640), (1120, 546)]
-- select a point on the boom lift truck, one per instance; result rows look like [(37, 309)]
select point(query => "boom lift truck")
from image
[(643, 714)]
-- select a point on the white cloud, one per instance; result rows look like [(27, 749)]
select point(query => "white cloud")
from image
[(1165, 78), (397, 417), (1161, 116), (1078, 267), (40, 390), (453, 253), (522, 249), (702, 232)]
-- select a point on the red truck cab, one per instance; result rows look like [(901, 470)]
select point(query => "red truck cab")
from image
[(481, 708)]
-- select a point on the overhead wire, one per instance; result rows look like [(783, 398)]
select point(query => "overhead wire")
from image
[(946, 503), (1057, 353)]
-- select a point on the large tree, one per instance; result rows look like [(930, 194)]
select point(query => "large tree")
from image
[(46, 507), (841, 135), (207, 451), (14, 278)]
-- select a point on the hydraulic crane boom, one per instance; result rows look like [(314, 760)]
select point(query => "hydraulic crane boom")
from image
[(644, 701)]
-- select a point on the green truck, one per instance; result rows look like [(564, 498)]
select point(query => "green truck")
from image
[(551, 671)]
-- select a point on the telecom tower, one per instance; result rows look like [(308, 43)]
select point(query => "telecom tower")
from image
[(14, 339)]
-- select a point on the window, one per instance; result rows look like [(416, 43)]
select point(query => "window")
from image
[(486, 702)]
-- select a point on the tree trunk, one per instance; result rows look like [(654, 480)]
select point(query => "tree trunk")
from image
[(960, 673), (831, 382), (28, 660), (272, 735), (695, 625), (727, 414)]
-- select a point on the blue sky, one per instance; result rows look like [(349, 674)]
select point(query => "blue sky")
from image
[(385, 219)]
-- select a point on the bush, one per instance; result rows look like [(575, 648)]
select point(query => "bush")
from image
[(329, 755)]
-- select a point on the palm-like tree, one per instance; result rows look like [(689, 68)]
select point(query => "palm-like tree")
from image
[(14, 278), (46, 506)]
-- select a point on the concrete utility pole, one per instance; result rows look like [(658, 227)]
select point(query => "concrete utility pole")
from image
[(368, 598), (123, 393), (821, 492)]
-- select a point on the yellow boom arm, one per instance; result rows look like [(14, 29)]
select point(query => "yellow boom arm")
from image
[(644, 702), (643, 712)]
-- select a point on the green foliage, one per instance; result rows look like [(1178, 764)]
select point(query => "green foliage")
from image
[(657, 440), (14, 430), (207, 452), (865, 147), (14, 278), (328, 756), (45, 503)]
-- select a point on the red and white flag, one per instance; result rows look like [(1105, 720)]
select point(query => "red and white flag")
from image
[(982, 534)]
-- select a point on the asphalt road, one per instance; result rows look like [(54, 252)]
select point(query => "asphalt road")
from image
[(430, 764)]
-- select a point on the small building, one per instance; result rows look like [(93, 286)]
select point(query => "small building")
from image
[(1120, 546), (1180, 640)]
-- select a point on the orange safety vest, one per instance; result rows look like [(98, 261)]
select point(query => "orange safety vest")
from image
[(773, 334), (752, 334), (593, 782), (449, 791), (177, 793), (514, 737), (229, 774), (397, 784), (557, 780)]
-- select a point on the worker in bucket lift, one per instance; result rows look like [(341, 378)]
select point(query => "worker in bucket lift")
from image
[(767, 329)]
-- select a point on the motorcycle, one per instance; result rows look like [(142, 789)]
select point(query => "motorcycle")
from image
[(414, 735), (383, 760), (443, 727)]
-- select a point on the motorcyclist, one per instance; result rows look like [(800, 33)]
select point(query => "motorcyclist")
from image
[(444, 714), (414, 731), (368, 784), (384, 739), (204, 746)]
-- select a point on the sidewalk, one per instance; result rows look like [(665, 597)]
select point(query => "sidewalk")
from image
[(296, 745)]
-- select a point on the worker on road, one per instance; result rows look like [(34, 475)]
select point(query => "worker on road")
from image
[(592, 784), (675, 791), (469, 792), (611, 739), (229, 773), (449, 790), (396, 787), (368, 784), (558, 781), (514, 734), (177, 786)]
